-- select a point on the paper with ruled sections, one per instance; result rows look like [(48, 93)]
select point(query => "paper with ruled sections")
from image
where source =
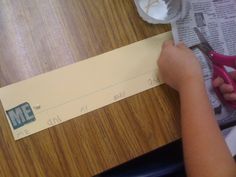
[(71, 91)]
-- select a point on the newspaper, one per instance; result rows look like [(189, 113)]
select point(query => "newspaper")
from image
[(216, 19)]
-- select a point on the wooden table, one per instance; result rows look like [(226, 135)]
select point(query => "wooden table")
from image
[(37, 36)]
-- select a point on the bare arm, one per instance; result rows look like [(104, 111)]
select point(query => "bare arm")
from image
[(205, 151)]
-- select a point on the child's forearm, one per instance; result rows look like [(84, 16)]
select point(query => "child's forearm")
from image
[(205, 151)]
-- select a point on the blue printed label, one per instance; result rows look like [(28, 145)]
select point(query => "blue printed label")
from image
[(20, 115)]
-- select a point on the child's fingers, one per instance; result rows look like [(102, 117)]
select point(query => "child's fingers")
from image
[(181, 45), (218, 82), (233, 74), (167, 43), (230, 96), (226, 88)]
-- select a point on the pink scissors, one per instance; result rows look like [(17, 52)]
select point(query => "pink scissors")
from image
[(218, 62)]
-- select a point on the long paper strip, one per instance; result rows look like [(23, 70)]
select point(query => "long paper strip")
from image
[(60, 95)]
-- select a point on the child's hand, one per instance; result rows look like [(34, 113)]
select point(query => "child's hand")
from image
[(226, 89), (178, 66)]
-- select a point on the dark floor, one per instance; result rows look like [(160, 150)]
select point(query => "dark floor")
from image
[(166, 161)]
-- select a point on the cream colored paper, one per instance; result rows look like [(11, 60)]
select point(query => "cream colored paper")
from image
[(79, 88)]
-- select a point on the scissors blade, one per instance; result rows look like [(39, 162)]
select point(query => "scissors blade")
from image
[(204, 46)]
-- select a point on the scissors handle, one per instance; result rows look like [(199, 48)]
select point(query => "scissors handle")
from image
[(223, 59), (219, 71)]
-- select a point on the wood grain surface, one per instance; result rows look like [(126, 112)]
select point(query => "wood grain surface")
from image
[(37, 36)]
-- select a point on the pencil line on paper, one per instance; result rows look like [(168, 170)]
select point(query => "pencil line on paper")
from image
[(96, 91)]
